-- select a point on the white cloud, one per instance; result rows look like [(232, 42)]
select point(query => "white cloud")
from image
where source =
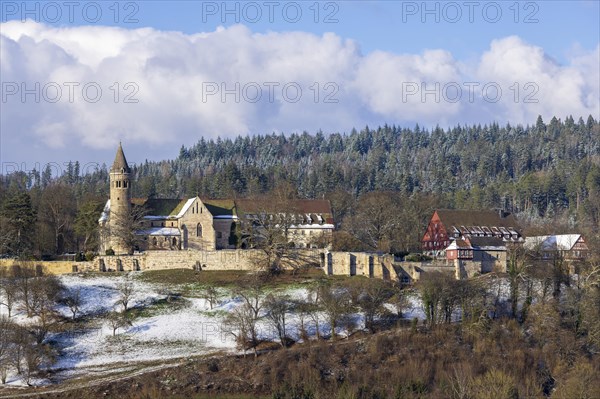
[(169, 73)]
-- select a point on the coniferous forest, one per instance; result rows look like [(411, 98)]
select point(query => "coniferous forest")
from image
[(547, 172)]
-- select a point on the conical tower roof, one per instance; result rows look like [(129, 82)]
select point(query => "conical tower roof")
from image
[(120, 162)]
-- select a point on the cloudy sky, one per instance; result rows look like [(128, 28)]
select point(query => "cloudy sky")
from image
[(77, 77)]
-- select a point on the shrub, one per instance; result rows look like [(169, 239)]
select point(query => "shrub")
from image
[(213, 365), (417, 258)]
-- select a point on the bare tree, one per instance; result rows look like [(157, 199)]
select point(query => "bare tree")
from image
[(126, 227), (72, 299), (375, 221), (313, 304), (8, 291), (399, 300), (126, 291), (118, 320), (439, 296), (336, 303), (24, 275), (20, 340), (34, 355), (251, 290), (265, 225), (277, 308), (211, 295), (303, 310), (6, 331), (241, 323), (370, 296), (46, 292), (516, 267)]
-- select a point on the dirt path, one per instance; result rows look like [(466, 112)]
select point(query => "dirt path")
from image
[(75, 385)]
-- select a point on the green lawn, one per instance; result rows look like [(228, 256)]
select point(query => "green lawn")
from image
[(223, 278)]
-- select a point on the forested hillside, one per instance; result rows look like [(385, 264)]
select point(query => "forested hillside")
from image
[(547, 170)]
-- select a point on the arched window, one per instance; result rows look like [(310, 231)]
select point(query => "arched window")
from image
[(154, 241), (174, 241), (199, 230)]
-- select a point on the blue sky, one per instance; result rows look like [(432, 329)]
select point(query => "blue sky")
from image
[(374, 57)]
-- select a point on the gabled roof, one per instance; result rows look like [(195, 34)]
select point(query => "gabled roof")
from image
[(307, 211), (466, 218), (120, 162), (300, 206), (459, 244), (160, 206), (220, 207), (489, 243), (560, 242)]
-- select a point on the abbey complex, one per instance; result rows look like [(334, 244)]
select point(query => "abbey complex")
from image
[(246, 234), (146, 224)]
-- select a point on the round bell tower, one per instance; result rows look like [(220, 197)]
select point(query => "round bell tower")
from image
[(120, 201)]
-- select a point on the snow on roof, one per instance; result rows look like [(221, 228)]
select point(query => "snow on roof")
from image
[(312, 226), (559, 242), (159, 231), (185, 207)]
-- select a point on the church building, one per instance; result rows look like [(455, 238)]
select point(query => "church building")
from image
[(140, 224)]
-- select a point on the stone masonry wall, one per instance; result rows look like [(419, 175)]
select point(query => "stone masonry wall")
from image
[(228, 259)]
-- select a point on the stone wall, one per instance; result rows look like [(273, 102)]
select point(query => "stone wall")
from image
[(366, 264), (49, 267), (227, 259), (351, 263)]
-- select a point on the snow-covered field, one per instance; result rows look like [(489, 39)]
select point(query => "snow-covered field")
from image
[(169, 332)]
